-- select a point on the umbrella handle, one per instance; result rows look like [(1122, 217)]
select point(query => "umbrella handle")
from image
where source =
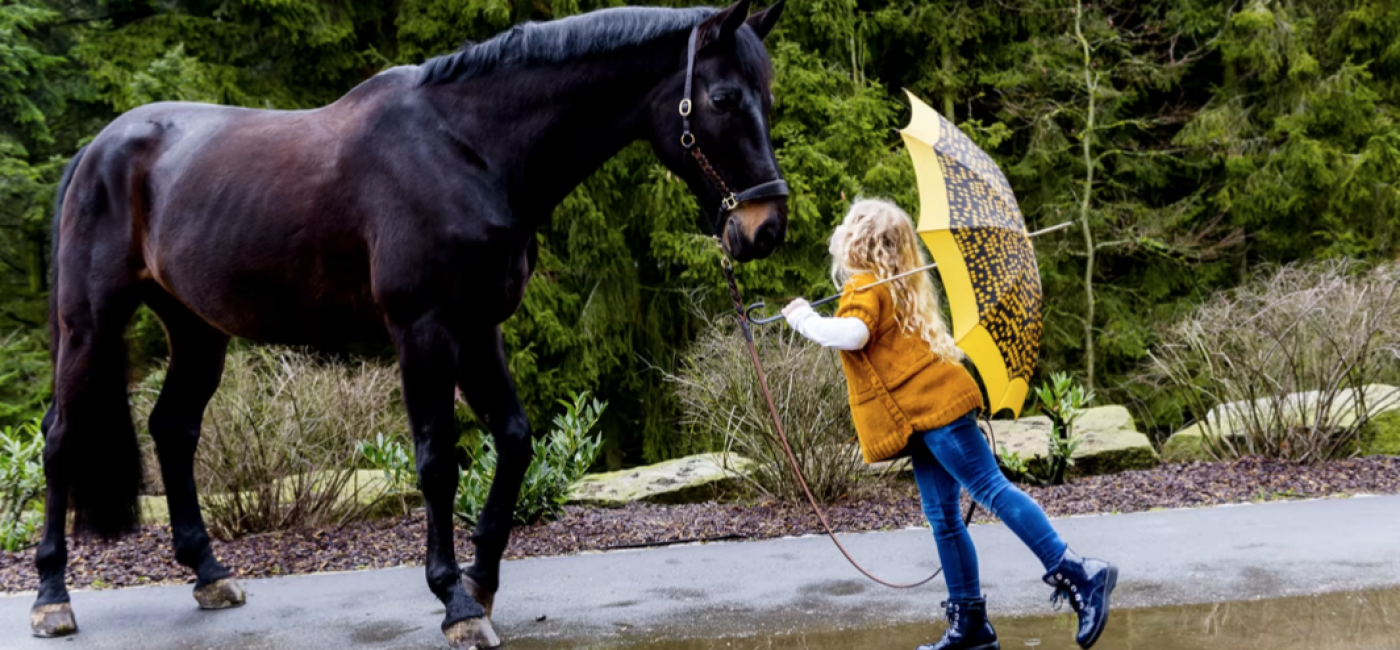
[(758, 306)]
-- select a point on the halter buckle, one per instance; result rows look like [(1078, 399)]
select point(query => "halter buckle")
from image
[(685, 107), (729, 202), (687, 139)]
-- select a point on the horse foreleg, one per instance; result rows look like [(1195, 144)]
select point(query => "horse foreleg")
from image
[(428, 370), (488, 387)]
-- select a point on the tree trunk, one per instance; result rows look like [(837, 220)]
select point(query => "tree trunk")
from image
[(1087, 142), (947, 81)]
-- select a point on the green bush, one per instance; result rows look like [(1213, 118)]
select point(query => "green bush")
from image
[(560, 459), (21, 485), (1063, 401), (391, 456)]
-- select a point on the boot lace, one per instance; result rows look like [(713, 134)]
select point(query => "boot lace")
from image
[(1065, 592)]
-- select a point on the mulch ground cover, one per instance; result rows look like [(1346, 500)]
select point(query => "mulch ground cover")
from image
[(146, 557)]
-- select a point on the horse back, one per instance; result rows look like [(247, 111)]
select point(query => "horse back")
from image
[(268, 224)]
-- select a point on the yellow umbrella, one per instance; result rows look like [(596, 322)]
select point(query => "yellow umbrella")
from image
[(970, 222)]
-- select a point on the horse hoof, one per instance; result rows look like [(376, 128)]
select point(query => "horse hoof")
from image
[(52, 620), (482, 597), (472, 634), (220, 594)]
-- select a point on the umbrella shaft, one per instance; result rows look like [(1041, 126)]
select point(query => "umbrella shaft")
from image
[(921, 269)]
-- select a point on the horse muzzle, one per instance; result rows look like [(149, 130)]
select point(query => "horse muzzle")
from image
[(754, 229)]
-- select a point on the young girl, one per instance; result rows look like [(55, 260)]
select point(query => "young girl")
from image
[(909, 394)]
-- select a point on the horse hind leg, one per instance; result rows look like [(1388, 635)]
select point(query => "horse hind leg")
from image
[(196, 366), (91, 454), (52, 614)]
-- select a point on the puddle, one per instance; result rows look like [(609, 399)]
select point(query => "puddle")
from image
[(1366, 620)]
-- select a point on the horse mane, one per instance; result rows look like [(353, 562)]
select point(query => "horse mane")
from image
[(556, 41)]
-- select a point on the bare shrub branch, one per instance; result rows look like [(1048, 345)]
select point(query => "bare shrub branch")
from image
[(720, 396), (280, 439), (1279, 366)]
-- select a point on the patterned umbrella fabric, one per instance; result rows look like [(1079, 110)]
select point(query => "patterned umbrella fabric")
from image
[(970, 222)]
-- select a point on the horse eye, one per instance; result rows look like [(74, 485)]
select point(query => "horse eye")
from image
[(724, 100)]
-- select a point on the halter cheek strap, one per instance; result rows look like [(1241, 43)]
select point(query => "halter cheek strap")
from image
[(730, 200), (688, 138)]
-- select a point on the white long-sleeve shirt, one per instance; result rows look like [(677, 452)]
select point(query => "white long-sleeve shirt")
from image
[(838, 333)]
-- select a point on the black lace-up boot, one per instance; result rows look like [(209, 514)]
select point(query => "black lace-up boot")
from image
[(968, 628), (1086, 585)]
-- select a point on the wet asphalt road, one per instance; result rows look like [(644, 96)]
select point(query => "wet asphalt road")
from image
[(718, 590)]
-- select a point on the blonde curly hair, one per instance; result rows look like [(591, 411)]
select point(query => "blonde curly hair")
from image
[(877, 237)]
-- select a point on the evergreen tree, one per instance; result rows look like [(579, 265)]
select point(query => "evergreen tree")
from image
[(1191, 141)]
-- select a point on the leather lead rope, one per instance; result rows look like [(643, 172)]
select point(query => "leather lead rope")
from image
[(787, 448)]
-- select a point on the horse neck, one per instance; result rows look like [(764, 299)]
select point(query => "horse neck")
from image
[(544, 130)]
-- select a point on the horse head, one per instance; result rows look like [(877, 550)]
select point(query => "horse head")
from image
[(709, 124)]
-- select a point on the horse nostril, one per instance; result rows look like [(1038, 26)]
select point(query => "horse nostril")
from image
[(768, 235)]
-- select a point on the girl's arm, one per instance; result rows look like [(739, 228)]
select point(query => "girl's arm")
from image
[(839, 333)]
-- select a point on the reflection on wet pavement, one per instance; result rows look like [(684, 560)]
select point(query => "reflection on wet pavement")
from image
[(1367, 620)]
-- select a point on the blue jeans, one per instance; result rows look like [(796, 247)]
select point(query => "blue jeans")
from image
[(957, 456)]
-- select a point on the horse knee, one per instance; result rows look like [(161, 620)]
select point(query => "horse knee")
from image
[(517, 447), (437, 469), (515, 437)]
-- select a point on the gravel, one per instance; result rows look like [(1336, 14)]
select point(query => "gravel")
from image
[(146, 557)]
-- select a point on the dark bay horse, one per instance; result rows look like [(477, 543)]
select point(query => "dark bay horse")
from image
[(404, 212)]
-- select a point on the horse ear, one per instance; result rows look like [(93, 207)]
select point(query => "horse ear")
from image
[(763, 21), (722, 25)]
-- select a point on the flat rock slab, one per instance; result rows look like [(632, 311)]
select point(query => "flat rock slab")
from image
[(1382, 435), (683, 480), (777, 586), (1111, 442)]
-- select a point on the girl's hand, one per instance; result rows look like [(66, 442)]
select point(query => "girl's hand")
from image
[(795, 306)]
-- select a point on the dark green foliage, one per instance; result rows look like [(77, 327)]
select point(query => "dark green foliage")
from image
[(1195, 139), (21, 485), (24, 377)]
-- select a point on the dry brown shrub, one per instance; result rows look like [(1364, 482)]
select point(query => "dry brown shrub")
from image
[(1329, 328), (720, 398), (278, 447)]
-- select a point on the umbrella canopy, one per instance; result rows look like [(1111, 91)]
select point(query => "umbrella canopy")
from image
[(970, 222)]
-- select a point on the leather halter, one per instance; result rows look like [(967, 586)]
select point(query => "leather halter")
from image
[(731, 199)]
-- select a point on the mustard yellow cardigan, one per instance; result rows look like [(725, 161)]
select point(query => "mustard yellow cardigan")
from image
[(897, 386)]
